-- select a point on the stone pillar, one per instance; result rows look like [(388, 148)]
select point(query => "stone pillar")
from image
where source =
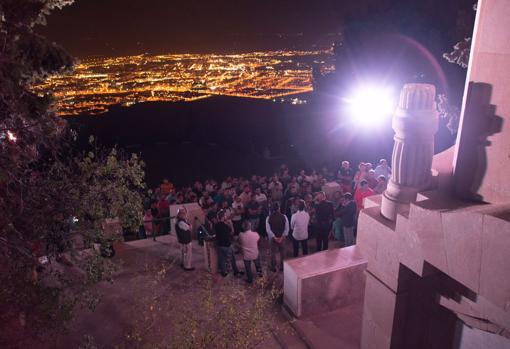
[(415, 123), (482, 154)]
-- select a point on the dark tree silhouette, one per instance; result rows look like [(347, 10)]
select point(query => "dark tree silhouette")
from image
[(54, 201)]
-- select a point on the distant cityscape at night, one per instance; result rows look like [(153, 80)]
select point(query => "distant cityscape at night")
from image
[(98, 83)]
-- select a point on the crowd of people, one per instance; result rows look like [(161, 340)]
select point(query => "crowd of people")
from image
[(282, 207)]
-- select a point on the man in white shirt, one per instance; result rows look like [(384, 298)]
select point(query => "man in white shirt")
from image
[(299, 225)]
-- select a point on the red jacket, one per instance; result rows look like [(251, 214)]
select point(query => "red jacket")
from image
[(359, 196)]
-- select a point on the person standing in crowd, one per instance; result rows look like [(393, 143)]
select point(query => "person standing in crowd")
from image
[(253, 213), (206, 202), (338, 233), (245, 195), (299, 225), (156, 222), (260, 197), (166, 187), (362, 192), (205, 231), (337, 199), (198, 188), (276, 189), (224, 238), (249, 247), (371, 179), (348, 216), (360, 175), (324, 213), (381, 185), (164, 214), (183, 229), (237, 214), (147, 222), (383, 169), (277, 228)]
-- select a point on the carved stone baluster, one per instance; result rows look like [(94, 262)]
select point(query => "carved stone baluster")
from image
[(414, 123)]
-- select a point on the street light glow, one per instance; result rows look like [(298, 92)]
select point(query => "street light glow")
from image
[(370, 105)]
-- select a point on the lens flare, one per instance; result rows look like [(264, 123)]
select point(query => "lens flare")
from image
[(370, 105)]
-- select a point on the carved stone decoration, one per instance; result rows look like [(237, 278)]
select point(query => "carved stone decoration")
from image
[(415, 122)]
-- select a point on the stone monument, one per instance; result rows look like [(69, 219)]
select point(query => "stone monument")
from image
[(439, 259), (437, 243)]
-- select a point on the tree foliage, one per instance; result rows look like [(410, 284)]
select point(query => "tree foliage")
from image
[(54, 200), (460, 54)]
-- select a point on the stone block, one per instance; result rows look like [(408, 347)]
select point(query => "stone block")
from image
[(291, 289), (409, 247), (372, 201), (378, 314), (472, 338), (324, 281), (495, 266), (425, 225), (463, 242), (378, 242), (493, 313)]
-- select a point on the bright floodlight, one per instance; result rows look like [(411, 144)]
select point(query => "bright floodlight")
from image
[(370, 105)]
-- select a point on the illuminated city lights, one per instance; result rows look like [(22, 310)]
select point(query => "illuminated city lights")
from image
[(99, 83)]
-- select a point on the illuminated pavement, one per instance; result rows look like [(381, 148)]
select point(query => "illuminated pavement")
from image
[(139, 286)]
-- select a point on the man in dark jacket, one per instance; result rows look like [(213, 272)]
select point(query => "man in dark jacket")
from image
[(349, 211), (224, 235), (277, 228), (183, 229), (324, 212)]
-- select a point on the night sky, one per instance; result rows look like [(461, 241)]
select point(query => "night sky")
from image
[(118, 27)]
